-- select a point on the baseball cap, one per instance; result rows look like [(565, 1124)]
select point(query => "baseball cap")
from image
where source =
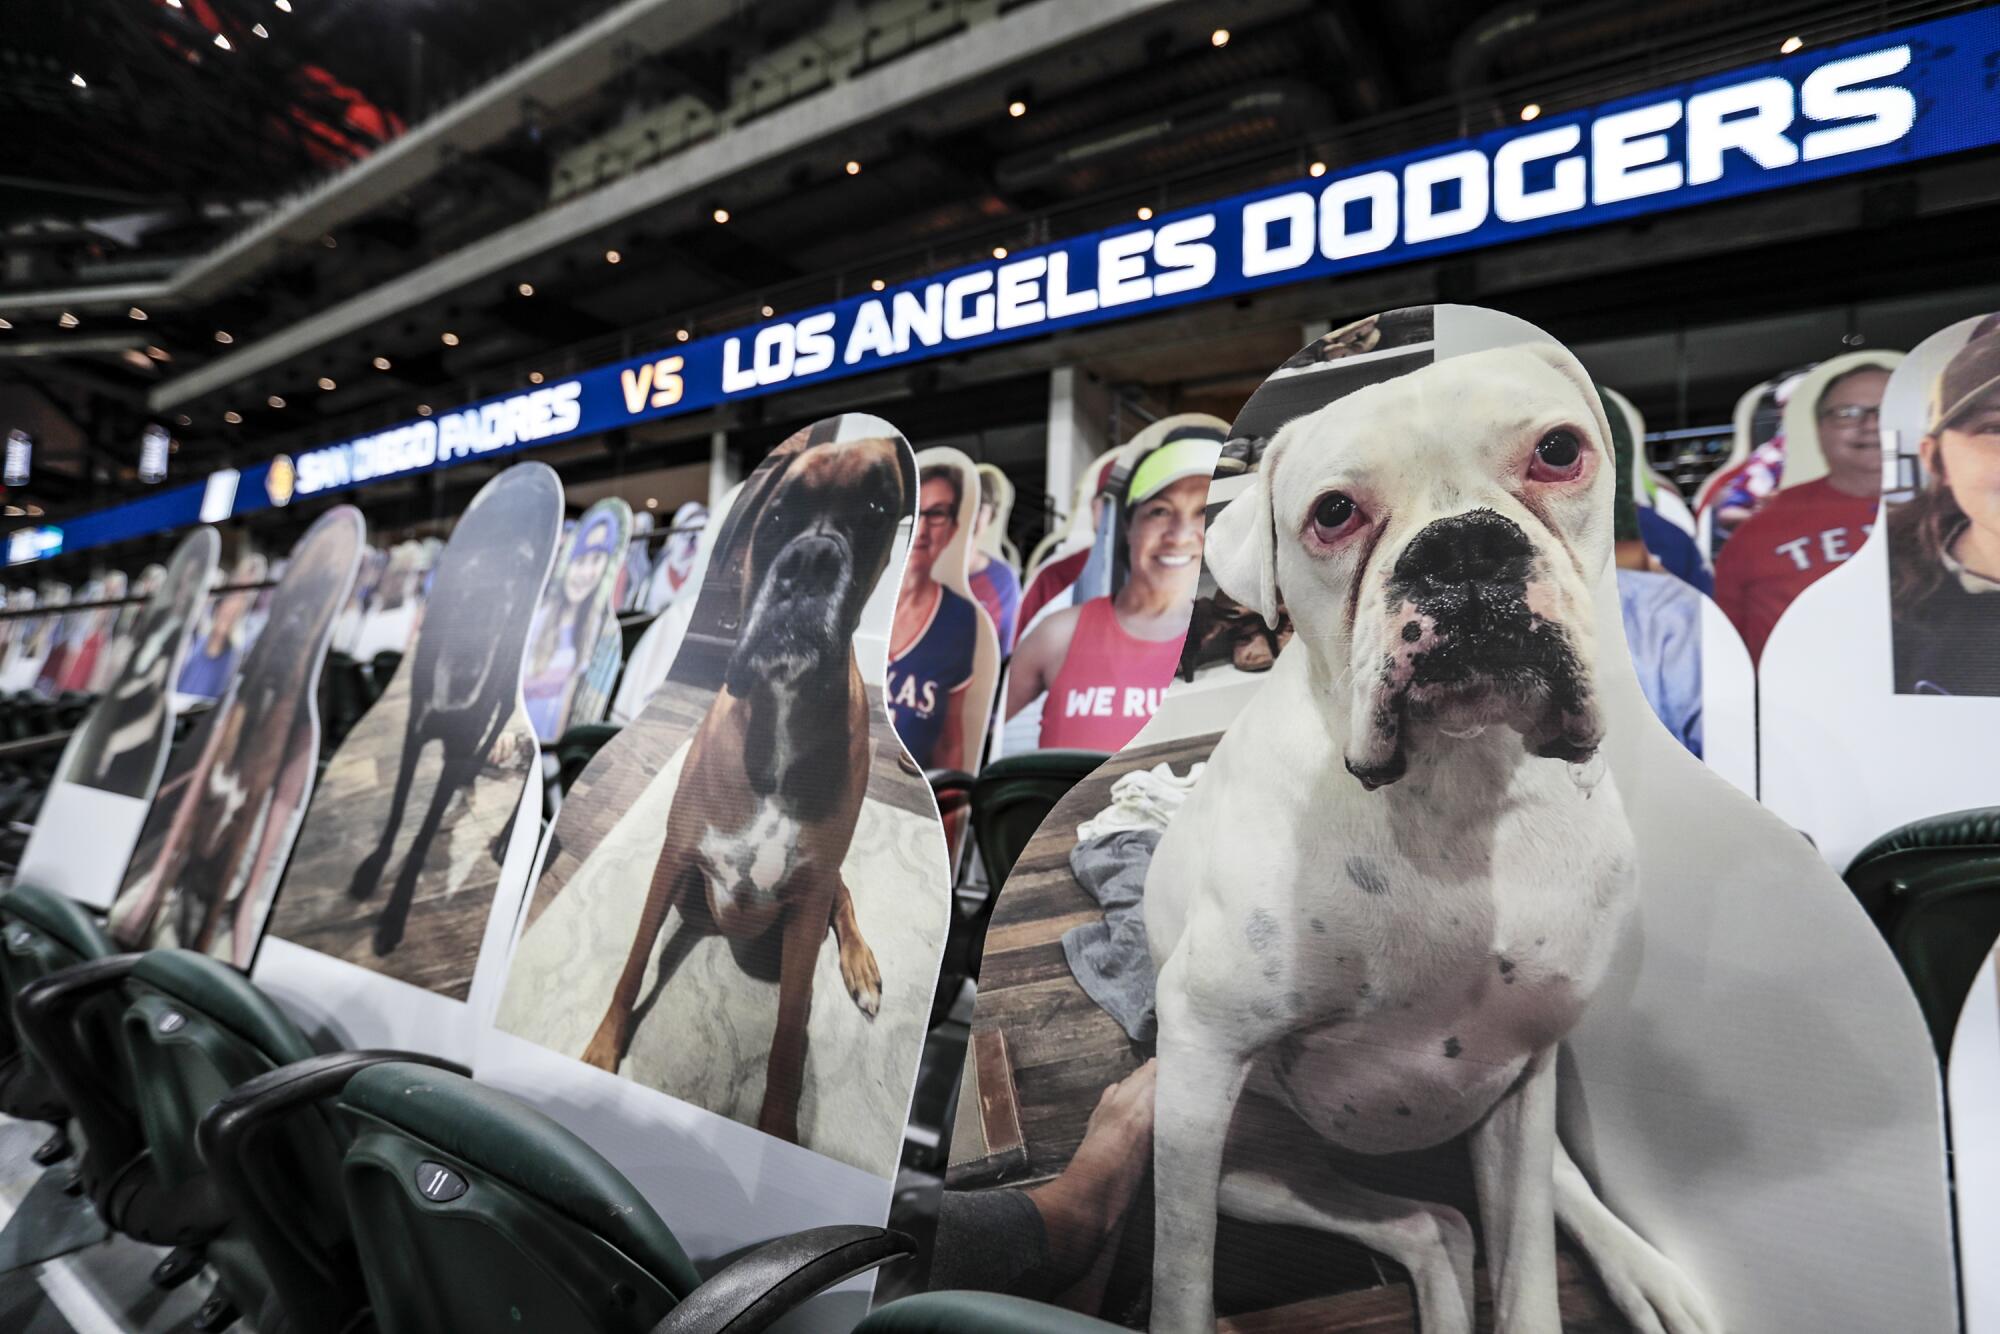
[(600, 535), (1192, 455), (1972, 373)]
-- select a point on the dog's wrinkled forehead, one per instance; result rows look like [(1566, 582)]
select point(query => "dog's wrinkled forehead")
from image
[(1451, 428), (854, 487)]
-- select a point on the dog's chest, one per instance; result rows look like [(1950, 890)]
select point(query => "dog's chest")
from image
[(746, 866), (1422, 996)]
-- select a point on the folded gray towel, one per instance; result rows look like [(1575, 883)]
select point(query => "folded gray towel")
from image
[(1110, 959)]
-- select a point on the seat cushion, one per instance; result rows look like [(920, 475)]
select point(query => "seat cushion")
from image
[(57, 916), (977, 1313), (512, 1142), (224, 995)]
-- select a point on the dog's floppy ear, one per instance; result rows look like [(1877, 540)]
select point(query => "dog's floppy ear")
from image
[(1242, 545)]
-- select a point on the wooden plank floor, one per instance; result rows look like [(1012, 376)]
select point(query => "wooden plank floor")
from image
[(1065, 1051)]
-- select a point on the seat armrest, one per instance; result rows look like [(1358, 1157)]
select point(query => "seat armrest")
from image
[(227, 1126), (44, 1008), (749, 1294)]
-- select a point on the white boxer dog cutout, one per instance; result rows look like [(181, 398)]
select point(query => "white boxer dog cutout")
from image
[(1387, 923)]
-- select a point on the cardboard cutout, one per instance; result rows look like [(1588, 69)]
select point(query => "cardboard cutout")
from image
[(992, 567), (96, 806), (573, 621), (400, 875), (1430, 901), (72, 629), (1870, 706), (221, 634), (638, 564), (1095, 646), (390, 622), (944, 652), (1974, 1078), (669, 581), (235, 792), (1690, 661), (30, 648), (658, 646), (1819, 516), (743, 901)]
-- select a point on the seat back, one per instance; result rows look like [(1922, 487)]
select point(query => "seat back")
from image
[(193, 1029), (40, 933), (1014, 794), (474, 1212), (1933, 888)]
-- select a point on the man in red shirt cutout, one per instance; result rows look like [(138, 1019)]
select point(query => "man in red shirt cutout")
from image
[(1807, 529)]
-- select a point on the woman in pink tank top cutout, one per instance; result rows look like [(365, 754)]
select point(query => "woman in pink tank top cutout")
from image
[(1104, 665)]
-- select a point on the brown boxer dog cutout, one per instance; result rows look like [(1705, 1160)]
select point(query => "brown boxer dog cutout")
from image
[(775, 775)]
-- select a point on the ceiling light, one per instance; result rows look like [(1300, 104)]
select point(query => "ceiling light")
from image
[(1530, 111), (999, 252), (853, 167), (233, 417), (381, 363), (526, 289), (66, 320), (259, 30), (222, 42), (34, 511), (878, 284), (136, 313), (158, 354), (534, 377), (720, 215), (6, 324), (284, 6), (1316, 169), (680, 335), (1145, 213), (1790, 45), (423, 409), (134, 358), (275, 401), (1017, 108), (328, 241), (652, 502), (766, 311), (77, 80), (612, 257), (11, 510), (223, 336), (1220, 37), (450, 339), (326, 382), (173, 4), (185, 420)]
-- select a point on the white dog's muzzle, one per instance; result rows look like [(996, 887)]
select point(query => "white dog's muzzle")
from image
[(1469, 630)]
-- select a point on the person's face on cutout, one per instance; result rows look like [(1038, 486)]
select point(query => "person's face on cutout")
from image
[(937, 524), (583, 574), (1164, 538), (984, 519), (1850, 432), (1967, 455)]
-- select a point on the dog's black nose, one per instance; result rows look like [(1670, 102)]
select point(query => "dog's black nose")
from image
[(810, 563), (1478, 546)]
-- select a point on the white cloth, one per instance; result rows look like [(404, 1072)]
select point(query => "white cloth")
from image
[(1142, 799)]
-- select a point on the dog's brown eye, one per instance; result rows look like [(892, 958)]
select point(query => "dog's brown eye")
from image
[(1558, 457), (1333, 514), (1558, 449)]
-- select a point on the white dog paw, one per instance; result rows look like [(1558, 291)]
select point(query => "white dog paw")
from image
[(1653, 1293)]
